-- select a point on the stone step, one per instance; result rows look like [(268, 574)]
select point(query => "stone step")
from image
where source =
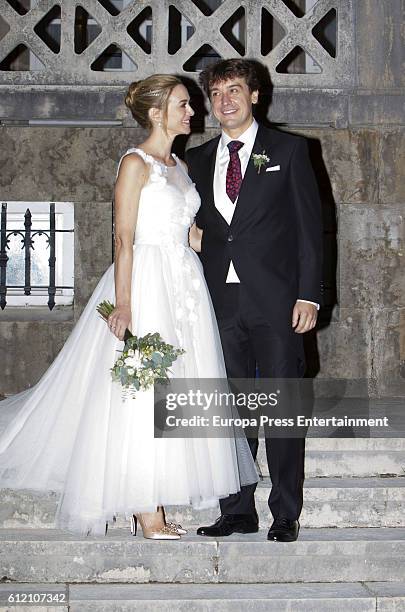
[(319, 555), (351, 597), (328, 502), (359, 444), (348, 457)]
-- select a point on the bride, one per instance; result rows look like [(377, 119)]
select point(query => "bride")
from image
[(73, 432)]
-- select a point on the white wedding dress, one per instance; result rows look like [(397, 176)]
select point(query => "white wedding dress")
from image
[(73, 433)]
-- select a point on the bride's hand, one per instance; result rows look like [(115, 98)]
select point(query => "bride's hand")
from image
[(119, 320)]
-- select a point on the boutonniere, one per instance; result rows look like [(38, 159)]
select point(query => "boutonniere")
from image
[(259, 159)]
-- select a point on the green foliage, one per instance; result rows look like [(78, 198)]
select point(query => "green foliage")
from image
[(143, 361)]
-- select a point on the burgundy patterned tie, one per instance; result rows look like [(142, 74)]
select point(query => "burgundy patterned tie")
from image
[(234, 172)]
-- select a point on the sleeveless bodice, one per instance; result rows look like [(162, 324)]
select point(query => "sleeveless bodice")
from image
[(167, 206)]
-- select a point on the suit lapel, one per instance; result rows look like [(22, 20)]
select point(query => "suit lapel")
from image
[(248, 184), (210, 154)]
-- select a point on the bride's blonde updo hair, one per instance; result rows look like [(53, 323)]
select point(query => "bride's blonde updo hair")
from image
[(152, 92)]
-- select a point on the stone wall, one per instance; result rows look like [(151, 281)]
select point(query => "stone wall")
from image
[(355, 124)]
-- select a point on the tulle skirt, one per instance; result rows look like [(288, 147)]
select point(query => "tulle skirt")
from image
[(74, 433)]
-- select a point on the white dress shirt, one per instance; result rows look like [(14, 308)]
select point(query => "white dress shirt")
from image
[(222, 202)]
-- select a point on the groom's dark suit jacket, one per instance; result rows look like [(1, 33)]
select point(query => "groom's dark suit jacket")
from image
[(275, 237)]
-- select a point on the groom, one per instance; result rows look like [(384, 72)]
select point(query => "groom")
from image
[(261, 252)]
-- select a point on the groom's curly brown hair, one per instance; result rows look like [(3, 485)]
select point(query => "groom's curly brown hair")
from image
[(224, 70)]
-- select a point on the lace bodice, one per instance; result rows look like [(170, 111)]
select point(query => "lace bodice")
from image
[(168, 203)]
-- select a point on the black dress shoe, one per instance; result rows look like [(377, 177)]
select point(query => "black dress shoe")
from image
[(227, 524), (283, 530)]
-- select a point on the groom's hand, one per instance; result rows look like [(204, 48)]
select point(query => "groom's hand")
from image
[(304, 317)]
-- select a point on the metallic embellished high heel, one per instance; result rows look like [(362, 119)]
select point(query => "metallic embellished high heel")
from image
[(162, 533), (176, 527)]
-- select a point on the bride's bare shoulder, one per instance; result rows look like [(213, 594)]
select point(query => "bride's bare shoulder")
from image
[(133, 168), (133, 161)]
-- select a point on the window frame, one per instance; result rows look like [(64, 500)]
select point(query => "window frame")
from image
[(64, 249)]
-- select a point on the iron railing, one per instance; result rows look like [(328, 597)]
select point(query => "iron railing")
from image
[(28, 240)]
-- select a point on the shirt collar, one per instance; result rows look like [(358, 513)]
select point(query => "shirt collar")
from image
[(248, 137)]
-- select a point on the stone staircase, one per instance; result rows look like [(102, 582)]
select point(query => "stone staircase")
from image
[(350, 554)]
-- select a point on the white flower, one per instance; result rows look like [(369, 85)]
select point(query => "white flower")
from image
[(156, 176), (190, 303), (131, 371), (259, 159), (131, 352), (134, 361)]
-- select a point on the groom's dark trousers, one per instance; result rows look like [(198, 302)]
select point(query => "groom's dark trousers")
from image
[(249, 341)]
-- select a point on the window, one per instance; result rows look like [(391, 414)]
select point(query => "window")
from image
[(14, 230)]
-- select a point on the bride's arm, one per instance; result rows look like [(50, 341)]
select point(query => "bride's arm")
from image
[(194, 237), (131, 178)]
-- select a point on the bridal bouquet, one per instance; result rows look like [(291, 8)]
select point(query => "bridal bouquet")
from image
[(143, 360)]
